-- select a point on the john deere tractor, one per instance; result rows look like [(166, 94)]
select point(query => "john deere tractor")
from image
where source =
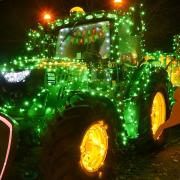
[(95, 97)]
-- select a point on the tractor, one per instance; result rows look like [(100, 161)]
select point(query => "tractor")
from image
[(95, 97)]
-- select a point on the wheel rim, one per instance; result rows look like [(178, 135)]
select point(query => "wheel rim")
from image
[(94, 147), (158, 113)]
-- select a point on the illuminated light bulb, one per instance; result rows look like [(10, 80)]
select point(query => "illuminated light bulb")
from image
[(14, 77), (117, 1), (47, 17)]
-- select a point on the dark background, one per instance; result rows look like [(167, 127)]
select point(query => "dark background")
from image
[(18, 16)]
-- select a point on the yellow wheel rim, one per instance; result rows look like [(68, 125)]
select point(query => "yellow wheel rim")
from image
[(158, 113), (94, 147)]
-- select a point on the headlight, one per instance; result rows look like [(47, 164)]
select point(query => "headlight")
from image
[(14, 77)]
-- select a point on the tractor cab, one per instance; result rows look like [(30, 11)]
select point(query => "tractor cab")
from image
[(100, 38), (89, 42)]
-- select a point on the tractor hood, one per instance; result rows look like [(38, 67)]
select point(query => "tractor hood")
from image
[(74, 74), (64, 76)]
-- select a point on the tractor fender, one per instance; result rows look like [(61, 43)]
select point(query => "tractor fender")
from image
[(141, 88), (145, 76), (85, 100)]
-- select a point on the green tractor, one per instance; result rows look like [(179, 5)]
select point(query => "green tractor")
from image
[(96, 97)]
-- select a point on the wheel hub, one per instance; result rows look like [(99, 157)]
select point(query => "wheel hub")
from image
[(94, 147), (158, 113)]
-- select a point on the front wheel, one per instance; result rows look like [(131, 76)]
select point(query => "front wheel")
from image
[(80, 146)]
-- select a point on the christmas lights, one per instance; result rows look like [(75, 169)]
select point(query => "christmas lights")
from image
[(14, 77), (176, 45), (111, 69)]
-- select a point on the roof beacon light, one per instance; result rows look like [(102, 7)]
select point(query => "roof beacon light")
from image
[(76, 10)]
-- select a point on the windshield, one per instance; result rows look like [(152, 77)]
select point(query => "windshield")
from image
[(89, 42)]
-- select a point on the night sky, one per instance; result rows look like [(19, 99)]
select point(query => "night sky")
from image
[(18, 16)]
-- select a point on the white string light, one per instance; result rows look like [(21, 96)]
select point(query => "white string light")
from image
[(14, 77)]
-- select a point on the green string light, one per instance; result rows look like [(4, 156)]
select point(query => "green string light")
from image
[(65, 75)]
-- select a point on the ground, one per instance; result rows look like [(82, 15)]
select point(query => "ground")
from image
[(161, 165)]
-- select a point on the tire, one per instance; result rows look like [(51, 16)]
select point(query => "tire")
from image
[(146, 138), (61, 150)]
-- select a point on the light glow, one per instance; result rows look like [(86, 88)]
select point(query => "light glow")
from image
[(118, 1), (14, 77), (47, 17)]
